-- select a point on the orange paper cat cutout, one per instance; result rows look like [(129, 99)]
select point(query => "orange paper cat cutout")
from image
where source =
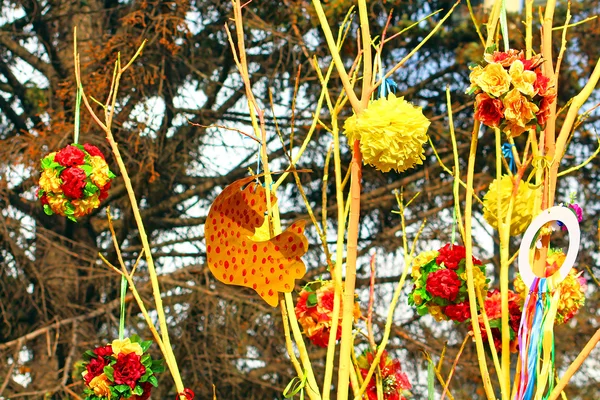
[(234, 258)]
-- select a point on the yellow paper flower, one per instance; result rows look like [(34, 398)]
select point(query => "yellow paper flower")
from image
[(474, 76), (100, 171), (522, 206), (522, 80), (391, 131), (57, 203), (417, 299), (479, 281), (50, 181), (436, 313), (493, 79), (518, 112), (101, 386), (86, 205), (125, 347), (420, 260)]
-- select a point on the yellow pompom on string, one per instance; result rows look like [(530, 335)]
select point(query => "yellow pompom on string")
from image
[(522, 206), (391, 131)]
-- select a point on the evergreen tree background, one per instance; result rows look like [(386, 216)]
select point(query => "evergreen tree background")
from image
[(57, 299)]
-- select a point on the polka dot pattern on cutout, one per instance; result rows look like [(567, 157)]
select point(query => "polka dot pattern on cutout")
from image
[(268, 267)]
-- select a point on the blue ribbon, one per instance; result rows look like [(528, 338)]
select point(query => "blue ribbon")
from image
[(387, 86), (507, 153)]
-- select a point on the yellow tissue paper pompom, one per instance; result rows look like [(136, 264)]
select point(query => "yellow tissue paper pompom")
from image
[(522, 207), (391, 131)]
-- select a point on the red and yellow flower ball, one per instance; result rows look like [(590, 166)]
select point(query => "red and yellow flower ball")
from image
[(121, 370), (511, 92), (440, 283), (395, 383), (74, 181), (314, 311)]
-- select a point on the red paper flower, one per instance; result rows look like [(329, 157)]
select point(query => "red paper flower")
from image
[(188, 393), (493, 309), (488, 110), (94, 368), (93, 150), (541, 84), (147, 386), (544, 112), (104, 351), (128, 369), (458, 312), (70, 156), (451, 255), (443, 283), (74, 180), (104, 192), (394, 381)]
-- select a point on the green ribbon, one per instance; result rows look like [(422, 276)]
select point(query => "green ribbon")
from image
[(122, 317), (504, 25), (77, 109), (295, 386), (430, 380)]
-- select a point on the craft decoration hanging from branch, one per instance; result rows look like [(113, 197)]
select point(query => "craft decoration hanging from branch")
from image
[(536, 333), (234, 255)]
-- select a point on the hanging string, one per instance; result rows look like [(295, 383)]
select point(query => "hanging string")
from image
[(510, 159), (77, 109), (122, 316)]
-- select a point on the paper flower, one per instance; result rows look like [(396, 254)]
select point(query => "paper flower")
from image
[(314, 311), (572, 288), (395, 383), (440, 280), (512, 93), (236, 257), (493, 310), (74, 181), (522, 207), (391, 131), (122, 370)]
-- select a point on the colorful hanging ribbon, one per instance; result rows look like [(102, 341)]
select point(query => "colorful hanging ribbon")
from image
[(536, 342)]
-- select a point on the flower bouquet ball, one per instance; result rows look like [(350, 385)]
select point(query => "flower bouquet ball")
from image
[(440, 283), (522, 210), (121, 370), (314, 311), (391, 131), (74, 181), (396, 385), (511, 92), (493, 310)]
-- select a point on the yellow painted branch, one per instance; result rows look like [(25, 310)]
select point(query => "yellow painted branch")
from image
[(485, 375)]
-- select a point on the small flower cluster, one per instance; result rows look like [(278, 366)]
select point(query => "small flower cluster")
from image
[(392, 133), (578, 212), (121, 370), (511, 92), (441, 283), (572, 288), (314, 311), (522, 209), (395, 383), (493, 310), (74, 181)]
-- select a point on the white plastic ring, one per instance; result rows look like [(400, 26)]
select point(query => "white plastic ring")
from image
[(567, 218)]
